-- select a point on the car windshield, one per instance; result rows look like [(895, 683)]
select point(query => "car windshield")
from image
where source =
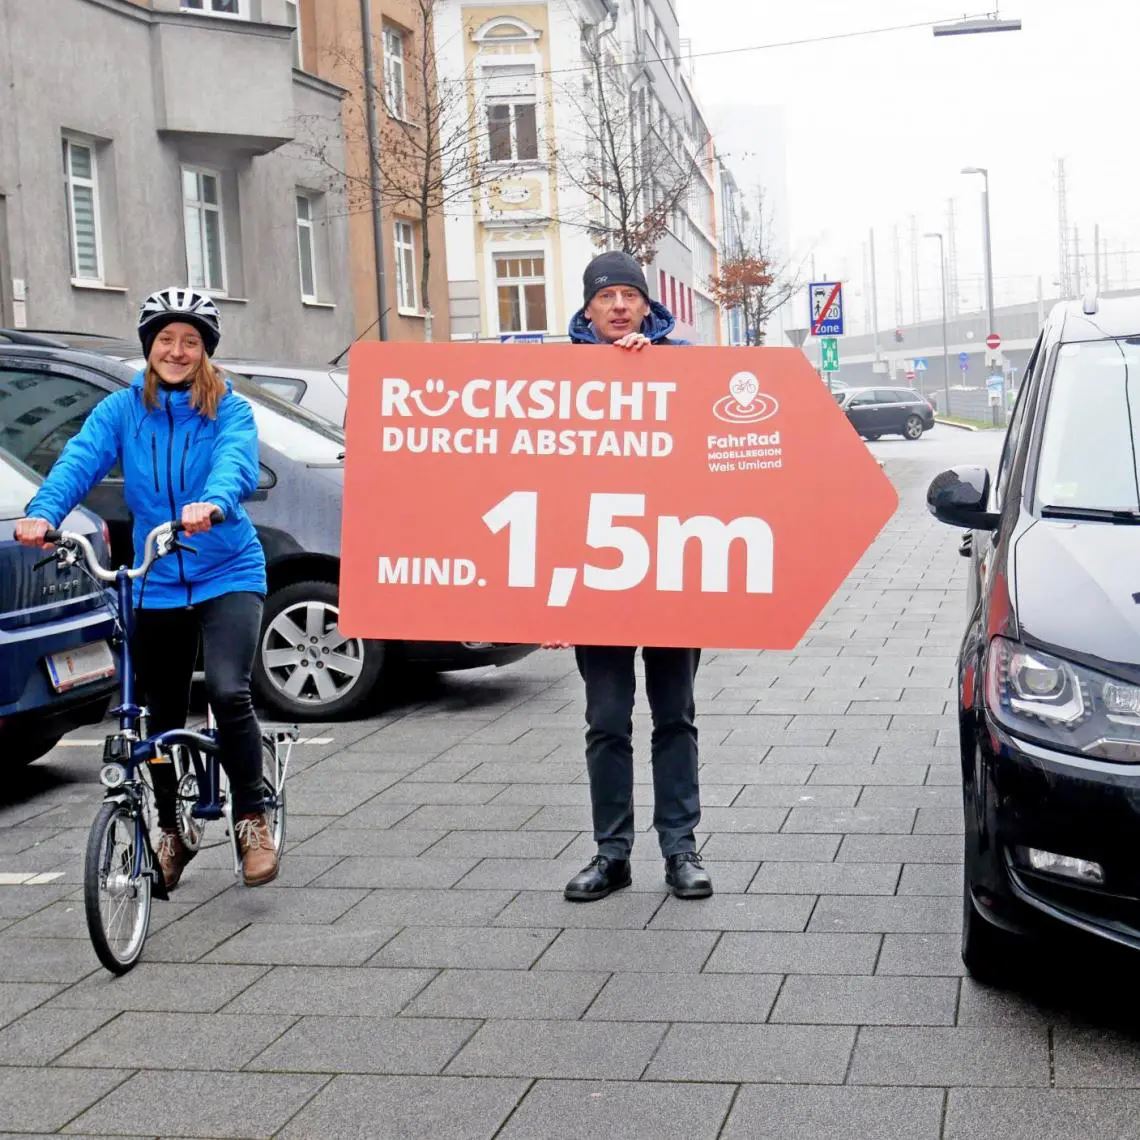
[(291, 430), (18, 486), (1089, 445)]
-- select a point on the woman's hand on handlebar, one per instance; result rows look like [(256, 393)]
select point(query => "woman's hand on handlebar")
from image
[(30, 532), (199, 517)]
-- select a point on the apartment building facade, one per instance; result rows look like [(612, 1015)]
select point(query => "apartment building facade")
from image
[(179, 157), (397, 53), (518, 242)]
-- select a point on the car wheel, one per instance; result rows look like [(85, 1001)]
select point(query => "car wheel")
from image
[(988, 952), (305, 668), (872, 435), (21, 752), (912, 429)]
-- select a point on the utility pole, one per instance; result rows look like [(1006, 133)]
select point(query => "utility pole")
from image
[(1064, 270), (896, 251), (915, 296), (874, 299), (374, 165), (1096, 256), (1077, 259), (945, 339), (952, 291)]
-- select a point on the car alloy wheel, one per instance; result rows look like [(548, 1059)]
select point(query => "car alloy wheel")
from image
[(912, 429), (305, 667)]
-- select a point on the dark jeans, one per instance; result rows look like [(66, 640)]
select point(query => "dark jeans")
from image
[(165, 648), (610, 683)]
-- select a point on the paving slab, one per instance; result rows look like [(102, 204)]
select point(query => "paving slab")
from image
[(523, 994), (411, 1108), (619, 1110), (1030, 1114), (719, 998), (34, 1100), (301, 990)]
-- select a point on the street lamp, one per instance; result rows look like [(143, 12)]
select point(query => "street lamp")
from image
[(945, 348), (986, 235)]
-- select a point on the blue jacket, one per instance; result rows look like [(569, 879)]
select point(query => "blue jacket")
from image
[(657, 326), (170, 456)]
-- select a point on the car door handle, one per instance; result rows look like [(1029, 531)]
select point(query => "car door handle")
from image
[(966, 546)]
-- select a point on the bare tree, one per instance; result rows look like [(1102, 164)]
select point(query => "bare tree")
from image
[(630, 169), (429, 157), (751, 279)]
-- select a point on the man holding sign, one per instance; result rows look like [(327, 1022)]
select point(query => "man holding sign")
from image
[(617, 311)]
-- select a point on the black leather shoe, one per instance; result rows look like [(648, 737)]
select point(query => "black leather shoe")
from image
[(687, 877), (602, 877)]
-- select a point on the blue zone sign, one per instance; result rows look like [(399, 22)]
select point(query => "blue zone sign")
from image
[(825, 303)]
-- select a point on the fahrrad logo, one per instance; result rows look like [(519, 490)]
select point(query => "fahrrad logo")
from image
[(745, 403)]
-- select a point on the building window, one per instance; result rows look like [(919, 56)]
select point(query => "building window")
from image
[(306, 247), (662, 293), (512, 119), (406, 268), (521, 283), (395, 88), (202, 217), (82, 195), (238, 9), (293, 19)]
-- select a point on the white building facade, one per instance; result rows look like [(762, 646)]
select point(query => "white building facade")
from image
[(518, 242)]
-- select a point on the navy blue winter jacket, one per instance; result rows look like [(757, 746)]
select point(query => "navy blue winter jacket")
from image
[(171, 456), (657, 327)]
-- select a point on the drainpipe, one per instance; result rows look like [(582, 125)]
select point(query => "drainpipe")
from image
[(374, 164)]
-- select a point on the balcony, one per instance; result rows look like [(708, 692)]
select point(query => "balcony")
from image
[(229, 79)]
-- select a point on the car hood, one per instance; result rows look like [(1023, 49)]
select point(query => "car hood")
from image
[(1077, 586)]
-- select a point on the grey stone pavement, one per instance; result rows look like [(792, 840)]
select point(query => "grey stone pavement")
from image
[(416, 973)]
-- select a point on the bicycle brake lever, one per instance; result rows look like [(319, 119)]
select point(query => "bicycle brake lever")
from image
[(176, 545), (44, 561)]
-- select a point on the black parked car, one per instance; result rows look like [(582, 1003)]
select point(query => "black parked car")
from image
[(57, 671), (1049, 669), (47, 389), (886, 411)]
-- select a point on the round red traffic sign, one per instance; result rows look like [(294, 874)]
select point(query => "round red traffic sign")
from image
[(993, 342), (910, 374)]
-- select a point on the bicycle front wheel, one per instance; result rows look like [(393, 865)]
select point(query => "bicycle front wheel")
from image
[(116, 887)]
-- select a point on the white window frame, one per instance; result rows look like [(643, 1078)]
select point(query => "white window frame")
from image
[(70, 180), (404, 242), (512, 103), (395, 70), (202, 207), (208, 9), (307, 224), (519, 282), (294, 7)]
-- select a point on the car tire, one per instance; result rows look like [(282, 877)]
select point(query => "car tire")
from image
[(304, 668), (21, 752), (913, 429), (988, 952), (871, 435)]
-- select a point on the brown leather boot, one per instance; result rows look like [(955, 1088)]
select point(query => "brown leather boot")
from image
[(258, 855), (172, 855)]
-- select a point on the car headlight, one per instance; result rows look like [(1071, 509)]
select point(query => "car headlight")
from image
[(1062, 704)]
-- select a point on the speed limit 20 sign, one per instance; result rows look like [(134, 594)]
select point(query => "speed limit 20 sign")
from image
[(673, 496)]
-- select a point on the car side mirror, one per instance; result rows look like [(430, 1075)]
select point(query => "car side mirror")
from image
[(959, 497)]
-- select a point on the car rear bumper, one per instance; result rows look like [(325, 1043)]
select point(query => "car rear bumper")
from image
[(447, 656), (1048, 801)]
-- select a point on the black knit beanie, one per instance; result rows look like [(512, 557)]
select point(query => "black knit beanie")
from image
[(609, 269)]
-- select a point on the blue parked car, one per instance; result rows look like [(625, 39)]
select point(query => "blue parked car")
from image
[(57, 671)]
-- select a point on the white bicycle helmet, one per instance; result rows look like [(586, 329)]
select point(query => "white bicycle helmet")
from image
[(180, 304)]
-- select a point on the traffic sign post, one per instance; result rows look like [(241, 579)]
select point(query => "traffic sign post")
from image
[(825, 304), (993, 342), (964, 361)]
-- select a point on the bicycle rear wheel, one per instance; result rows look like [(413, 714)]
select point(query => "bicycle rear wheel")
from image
[(116, 899), (274, 793)]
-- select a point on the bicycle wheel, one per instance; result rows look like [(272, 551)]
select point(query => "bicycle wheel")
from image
[(274, 792), (117, 900)]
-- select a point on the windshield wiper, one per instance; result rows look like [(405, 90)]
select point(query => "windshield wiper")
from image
[(1093, 514)]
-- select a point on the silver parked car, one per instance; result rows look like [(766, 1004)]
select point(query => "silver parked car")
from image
[(318, 388)]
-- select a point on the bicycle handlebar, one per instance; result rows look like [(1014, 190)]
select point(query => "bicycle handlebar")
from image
[(163, 533)]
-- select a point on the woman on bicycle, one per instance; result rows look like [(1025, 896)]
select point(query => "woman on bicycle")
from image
[(187, 443)]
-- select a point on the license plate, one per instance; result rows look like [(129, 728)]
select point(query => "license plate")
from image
[(80, 666)]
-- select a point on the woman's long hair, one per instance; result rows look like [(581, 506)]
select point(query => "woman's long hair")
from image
[(207, 387)]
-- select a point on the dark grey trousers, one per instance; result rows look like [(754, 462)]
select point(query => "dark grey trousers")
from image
[(610, 685)]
